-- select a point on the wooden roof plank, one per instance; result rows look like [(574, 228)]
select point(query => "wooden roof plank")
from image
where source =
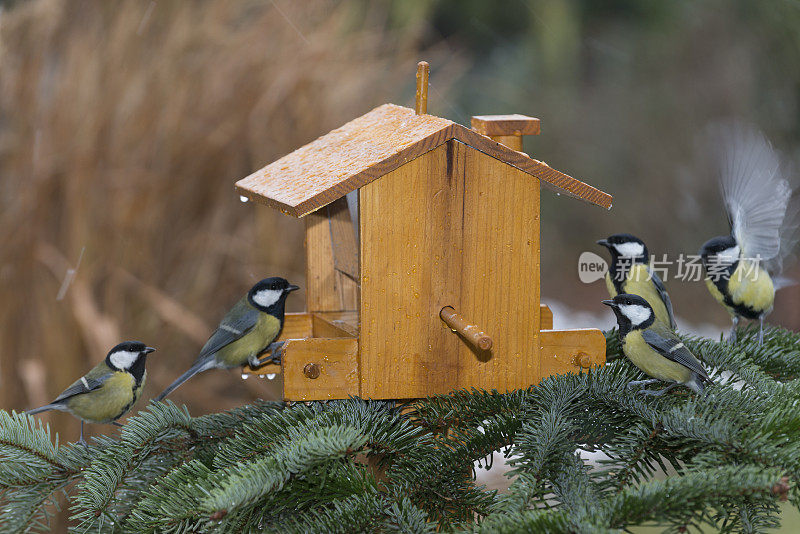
[(555, 180), (373, 145), (345, 159)]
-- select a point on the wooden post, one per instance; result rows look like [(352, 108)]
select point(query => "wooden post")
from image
[(472, 333), (423, 69)]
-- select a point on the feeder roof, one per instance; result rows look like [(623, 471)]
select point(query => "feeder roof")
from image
[(375, 144)]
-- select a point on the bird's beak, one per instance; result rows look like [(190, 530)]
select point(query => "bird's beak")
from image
[(292, 287), (609, 303), (148, 350), (602, 242)]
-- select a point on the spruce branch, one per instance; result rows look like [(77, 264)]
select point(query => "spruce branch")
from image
[(723, 460)]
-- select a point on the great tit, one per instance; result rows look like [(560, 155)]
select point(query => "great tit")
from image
[(108, 391), (629, 273), (654, 348), (246, 331), (741, 268)]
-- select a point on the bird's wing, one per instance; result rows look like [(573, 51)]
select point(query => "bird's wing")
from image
[(754, 188), (240, 320), (673, 349), (662, 292), (85, 384)]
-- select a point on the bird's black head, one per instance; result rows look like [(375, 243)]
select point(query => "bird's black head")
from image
[(722, 250), (625, 246), (632, 311), (128, 356), (270, 294)]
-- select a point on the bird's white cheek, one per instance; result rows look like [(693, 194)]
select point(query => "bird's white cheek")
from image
[(267, 297), (635, 313), (728, 256), (123, 359), (630, 250)]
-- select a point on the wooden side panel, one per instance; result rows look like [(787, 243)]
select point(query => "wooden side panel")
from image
[(545, 317), (345, 254), (337, 361), (296, 326), (410, 269), (324, 327), (570, 351), (321, 293), (500, 274), (328, 289), (343, 238), (346, 322), (452, 228)]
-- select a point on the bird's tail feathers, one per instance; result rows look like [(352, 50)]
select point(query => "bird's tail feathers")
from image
[(779, 282), (44, 408), (697, 384), (198, 367)]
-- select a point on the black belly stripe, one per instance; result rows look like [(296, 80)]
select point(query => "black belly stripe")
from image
[(618, 278), (137, 383), (127, 406), (740, 309)]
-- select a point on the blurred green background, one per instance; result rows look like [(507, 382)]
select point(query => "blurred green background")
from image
[(124, 125)]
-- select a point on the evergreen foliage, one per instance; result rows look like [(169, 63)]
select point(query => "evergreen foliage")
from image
[(356, 465)]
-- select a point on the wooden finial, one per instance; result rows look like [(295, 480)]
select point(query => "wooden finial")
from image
[(423, 69), (472, 333)]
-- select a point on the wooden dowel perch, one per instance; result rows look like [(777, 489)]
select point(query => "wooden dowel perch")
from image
[(421, 106), (472, 333)]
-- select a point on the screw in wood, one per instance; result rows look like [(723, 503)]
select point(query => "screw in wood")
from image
[(583, 360), (311, 370)]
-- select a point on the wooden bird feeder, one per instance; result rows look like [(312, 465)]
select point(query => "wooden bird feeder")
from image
[(422, 241)]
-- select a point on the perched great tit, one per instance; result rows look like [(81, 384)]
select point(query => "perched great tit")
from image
[(629, 273), (654, 348), (246, 331), (108, 391), (741, 268)]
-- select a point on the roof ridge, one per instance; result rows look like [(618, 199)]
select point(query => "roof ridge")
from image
[(373, 145)]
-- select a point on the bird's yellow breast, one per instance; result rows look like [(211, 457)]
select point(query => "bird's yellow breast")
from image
[(112, 400), (639, 282), (612, 291), (651, 362), (751, 286), (253, 342)]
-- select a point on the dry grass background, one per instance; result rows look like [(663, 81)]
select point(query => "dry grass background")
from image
[(122, 130), (124, 125)]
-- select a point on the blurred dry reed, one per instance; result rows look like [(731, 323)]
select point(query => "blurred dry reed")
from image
[(122, 130)]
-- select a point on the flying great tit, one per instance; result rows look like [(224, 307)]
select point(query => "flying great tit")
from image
[(246, 331), (108, 391), (629, 273), (741, 268), (654, 348)]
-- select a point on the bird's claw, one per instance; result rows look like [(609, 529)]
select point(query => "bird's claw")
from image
[(637, 383), (651, 393), (275, 351), (657, 393)]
